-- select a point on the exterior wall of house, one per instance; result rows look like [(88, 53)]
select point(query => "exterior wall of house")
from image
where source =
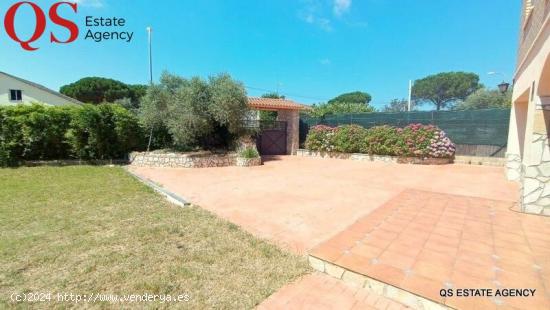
[(528, 145), (292, 119), (29, 93)]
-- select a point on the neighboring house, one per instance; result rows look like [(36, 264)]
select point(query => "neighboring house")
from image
[(528, 153), (15, 90)]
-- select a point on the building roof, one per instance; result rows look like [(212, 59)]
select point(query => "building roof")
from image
[(41, 87), (275, 104)]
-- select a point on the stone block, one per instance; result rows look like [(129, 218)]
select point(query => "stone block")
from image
[(531, 185), (375, 286), (532, 208), (354, 279), (334, 271), (316, 263), (532, 197), (545, 169)]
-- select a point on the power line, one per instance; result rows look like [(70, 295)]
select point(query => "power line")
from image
[(380, 104), (286, 94)]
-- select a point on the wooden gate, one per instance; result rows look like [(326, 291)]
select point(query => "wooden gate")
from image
[(272, 138)]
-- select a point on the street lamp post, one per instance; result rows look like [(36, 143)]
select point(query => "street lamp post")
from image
[(149, 34), (149, 37), (503, 87)]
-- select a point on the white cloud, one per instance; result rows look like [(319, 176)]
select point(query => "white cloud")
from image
[(91, 3), (341, 6), (312, 14), (325, 61)]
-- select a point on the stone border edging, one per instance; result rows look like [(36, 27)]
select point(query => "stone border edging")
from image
[(376, 158), (73, 162), (400, 295), (168, 195), (480, 161)]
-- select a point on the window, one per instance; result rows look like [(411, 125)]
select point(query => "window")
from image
[(16, 95)]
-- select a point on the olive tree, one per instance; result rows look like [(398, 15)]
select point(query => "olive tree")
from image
[(486, 99), (197, 113)]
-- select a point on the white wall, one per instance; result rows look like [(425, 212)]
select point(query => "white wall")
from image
[(30, 93)]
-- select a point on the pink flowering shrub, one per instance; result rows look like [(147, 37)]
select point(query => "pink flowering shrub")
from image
[(384, 140), (321, 138), (426, 141), (415, 140), (349, 139)]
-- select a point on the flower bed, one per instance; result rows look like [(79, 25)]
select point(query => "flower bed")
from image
[(415, 141)]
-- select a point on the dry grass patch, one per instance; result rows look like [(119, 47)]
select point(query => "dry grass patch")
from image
[(89, 230)]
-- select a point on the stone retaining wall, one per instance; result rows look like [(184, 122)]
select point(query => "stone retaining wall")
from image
[(376, 158), (182, 160), (190, 160)]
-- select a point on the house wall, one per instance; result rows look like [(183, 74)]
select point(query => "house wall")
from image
[(528, 146), (29, 93)]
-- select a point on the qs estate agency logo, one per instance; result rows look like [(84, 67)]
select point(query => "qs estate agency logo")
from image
[(40, 25), (42, 16)]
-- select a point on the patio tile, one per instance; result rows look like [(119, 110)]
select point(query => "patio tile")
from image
[(357, 263), (423, 286), (328, 252), (397, 259), (482, 271), (367, 250), (386, 273), (434, 270), (476, 247), (439, 251), (439, 247), (319, 291)]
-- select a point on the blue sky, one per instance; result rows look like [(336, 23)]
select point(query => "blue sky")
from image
[(312, 50)]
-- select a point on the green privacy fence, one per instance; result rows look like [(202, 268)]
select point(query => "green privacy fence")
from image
[(471, 127)]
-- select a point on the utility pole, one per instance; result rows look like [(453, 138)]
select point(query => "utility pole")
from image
[(149, 35), (410, 95)]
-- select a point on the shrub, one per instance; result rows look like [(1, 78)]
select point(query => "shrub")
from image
[(415, 140), (349, 139), (37, 132), (320, 138), (33, 132), (384, 140), (427, 141), (105, 131), (249, 152)]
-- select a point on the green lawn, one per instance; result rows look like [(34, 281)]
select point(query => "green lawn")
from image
[(86, 230)]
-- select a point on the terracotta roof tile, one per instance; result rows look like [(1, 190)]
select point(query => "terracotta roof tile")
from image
[(275, 104)]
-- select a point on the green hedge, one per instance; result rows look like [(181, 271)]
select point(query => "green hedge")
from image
[(415, 140), (37, 132)]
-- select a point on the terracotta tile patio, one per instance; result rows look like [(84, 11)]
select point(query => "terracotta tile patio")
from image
[(320, 291), (423, 242), (299, 202)]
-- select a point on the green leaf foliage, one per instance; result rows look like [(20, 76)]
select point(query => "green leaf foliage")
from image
[(96, 90), (326, 109), (197, 113), (445, 89), (38, 132), (486, 99), (353, 97)]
